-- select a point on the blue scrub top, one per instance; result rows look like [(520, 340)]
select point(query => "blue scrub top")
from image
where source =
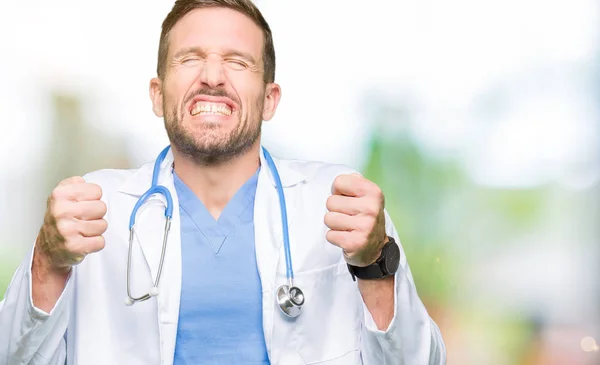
[(220, 317)]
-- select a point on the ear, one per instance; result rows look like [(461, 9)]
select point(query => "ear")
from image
[(156, 96), (272, 96)]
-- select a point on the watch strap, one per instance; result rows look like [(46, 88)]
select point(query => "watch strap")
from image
[(366, 272), (373, 271)]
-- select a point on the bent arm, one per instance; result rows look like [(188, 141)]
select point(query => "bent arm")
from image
[(34, 334), (412, 337)]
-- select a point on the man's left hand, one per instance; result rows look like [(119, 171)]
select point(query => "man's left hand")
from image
[(356, 219)]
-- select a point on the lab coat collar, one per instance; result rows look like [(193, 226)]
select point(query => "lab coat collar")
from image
[(141, 180)]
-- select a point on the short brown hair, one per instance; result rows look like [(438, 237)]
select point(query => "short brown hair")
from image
[(246, 7)]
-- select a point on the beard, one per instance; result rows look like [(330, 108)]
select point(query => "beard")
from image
[(207, 146)]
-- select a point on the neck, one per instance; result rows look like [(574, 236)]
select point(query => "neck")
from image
[(216, 185)]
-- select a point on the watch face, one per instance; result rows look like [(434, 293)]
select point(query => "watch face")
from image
[(392, 258)]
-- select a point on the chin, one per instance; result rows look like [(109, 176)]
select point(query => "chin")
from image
[(211, 138)]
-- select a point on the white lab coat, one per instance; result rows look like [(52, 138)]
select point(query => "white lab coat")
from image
[(90, 323)]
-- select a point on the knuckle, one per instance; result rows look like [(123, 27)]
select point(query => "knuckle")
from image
[(360, 189), (103, 207), (335, 238), (66, 228), (365, 225), (327, 218), (99, 243), (339, 181), (350, 252), (95, 189), (63, 192), (57, 193), (60, 210), (71, 180), (330, 236), (62, 226), (73, 246), (372, 209), (77, 249), (103, 225), (329, 203), (378, 193)]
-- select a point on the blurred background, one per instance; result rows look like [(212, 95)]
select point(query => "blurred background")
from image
[(479, 119)]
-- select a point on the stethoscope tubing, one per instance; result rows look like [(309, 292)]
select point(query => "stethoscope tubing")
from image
[(284, 219), (290, 298)]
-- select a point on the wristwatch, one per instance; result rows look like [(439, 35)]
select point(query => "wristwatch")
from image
[(386, 265)]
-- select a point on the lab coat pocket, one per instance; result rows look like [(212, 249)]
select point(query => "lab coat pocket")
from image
[(329, 326)]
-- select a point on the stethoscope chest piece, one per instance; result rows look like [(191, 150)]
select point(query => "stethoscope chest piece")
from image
[(290, 300)]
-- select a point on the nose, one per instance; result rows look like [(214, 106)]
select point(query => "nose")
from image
[(212, 74)]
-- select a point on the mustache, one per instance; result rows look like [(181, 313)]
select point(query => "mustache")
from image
[(210, 92)]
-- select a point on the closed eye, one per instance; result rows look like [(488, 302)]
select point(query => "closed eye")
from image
[(190, 60), (236, 64)]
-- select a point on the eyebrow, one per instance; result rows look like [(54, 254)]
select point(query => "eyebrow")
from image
[(228, 52)]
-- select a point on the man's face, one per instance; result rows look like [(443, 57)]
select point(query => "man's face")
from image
[(213, 97)]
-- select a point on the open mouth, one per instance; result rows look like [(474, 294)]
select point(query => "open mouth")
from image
[(205, 105)]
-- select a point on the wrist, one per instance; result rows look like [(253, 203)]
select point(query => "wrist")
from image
[(47, 281), (365, 285), (380, 253), (384, 266), (378, 296), (45, 265)]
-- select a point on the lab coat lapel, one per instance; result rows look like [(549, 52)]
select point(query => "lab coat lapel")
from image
[(149, 231), (270, 254)]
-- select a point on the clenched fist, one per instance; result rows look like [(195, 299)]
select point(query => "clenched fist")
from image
[(356, 219), (73, 223)]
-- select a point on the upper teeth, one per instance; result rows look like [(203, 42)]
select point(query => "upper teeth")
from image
[(203, 107)]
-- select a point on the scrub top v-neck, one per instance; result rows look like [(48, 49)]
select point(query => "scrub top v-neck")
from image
[(220, 318)]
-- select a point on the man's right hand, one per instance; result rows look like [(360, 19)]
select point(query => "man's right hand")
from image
[(73, 227), (73, 224)]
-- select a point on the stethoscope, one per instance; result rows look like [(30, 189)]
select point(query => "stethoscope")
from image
[(289, 297)]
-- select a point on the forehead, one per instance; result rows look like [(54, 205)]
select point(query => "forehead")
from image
[(215, 30)]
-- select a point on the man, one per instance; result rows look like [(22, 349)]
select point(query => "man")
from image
[(216, 299)]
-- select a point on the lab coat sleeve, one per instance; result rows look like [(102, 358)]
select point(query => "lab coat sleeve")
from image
[(412, 337), (29, 335)]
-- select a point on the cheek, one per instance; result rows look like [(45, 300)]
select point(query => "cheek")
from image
[(253, 101), (248, 87), (178, 84)]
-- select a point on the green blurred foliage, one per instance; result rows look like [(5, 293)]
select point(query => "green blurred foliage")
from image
[(416, 189), (445, 222), (438, 210)]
